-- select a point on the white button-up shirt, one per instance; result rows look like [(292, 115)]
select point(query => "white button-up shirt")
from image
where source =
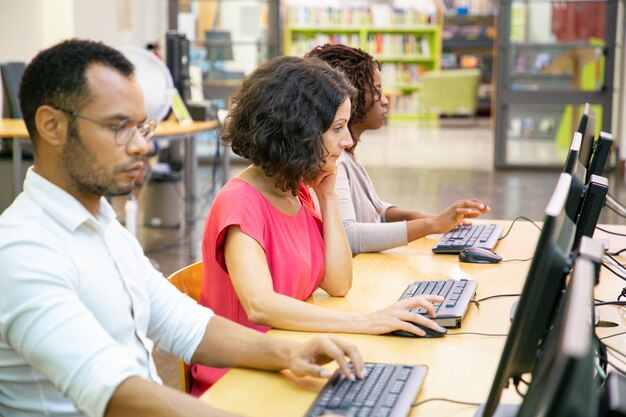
[(80, 306)]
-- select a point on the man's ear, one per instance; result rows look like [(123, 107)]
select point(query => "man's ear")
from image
[(52, 125)]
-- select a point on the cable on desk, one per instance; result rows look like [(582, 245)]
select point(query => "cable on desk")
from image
[(608, 303), (609, 232), (612, 258), (496, 296), (612, 335), (477, 302), (513, 222), (614, 272), (477, 334), (618, 355), (617, 252), (517, 260), (621, 371), (417, 404)]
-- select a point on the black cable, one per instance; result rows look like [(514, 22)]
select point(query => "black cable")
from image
[(616, 253), (513, 222), (477, 302), (612, 335), (617, 368), (618, 354), (608, 303), (614, 273), (517, 260), (477, 334), (609, 232), (496, 296), (612, 258), (446, 400)]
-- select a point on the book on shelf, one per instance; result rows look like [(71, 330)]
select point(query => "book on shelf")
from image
[(424, 47)]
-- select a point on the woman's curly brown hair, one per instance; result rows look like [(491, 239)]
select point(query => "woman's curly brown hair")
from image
[(281, 112), (359, 67)]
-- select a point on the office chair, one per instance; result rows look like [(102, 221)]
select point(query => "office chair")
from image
[(188, 280), (450, 92), (11, 77), (16, 149)]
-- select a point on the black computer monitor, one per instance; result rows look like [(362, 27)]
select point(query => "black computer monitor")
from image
[(177, 60), (587, 192), (587, 128), (600, 155), (563, 379), (578, 171), (540, 296)]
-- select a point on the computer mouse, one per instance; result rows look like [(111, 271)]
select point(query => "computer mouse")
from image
[(479, 256), (430, 333)]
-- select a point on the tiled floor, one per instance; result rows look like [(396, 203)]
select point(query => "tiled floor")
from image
[(411, 166)]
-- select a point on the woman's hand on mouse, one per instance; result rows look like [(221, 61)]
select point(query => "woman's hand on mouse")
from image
[(399, 316)]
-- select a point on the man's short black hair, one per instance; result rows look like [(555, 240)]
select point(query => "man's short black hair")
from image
[(57, 77)]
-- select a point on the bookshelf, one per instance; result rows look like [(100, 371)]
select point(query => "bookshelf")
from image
[(468, 42), (552, 59), (407, 45)]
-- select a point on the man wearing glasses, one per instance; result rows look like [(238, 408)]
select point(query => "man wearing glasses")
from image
[(81, 307)]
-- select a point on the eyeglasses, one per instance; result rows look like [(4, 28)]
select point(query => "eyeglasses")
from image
[(125, 131)]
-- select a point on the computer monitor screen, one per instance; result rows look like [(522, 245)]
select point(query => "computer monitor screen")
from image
[(587, 192), (578, 171), (540, 296), (600, 155), (219, 45), (563, 379), (587, 128)]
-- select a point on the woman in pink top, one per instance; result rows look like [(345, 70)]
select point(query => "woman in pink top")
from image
[(266, 247)]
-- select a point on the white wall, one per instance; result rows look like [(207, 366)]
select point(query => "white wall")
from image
[(21, 29), (27, 26)]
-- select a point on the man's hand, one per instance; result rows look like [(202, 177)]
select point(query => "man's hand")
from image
[(306, 358)]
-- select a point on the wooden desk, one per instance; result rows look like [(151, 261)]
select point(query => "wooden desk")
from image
[(16, 129), (461, 367)]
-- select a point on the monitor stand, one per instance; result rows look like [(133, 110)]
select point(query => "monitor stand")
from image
[(503, 410)]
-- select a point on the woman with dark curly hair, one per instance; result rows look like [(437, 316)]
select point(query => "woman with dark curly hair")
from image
[(371, 224), (266, 247)]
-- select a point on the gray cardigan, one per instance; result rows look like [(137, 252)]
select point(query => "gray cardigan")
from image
[(363, 212)]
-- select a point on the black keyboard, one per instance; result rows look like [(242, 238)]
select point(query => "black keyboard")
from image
[(457, 296), (461, 237), (387, 391)]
